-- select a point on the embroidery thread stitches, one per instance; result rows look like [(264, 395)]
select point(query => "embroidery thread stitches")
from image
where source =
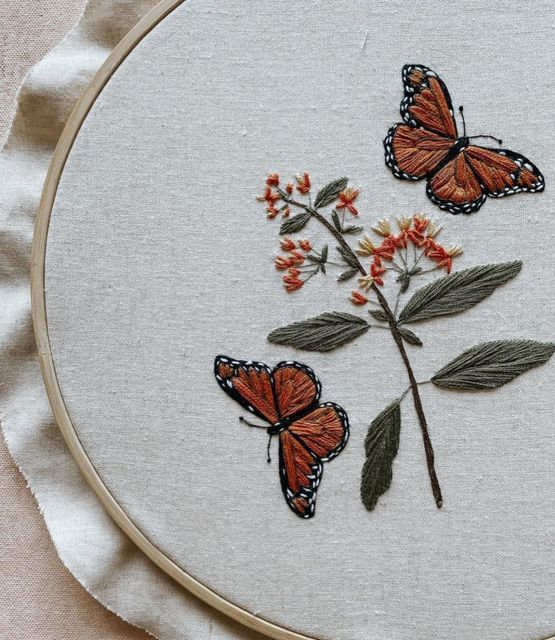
[(310, 433), (459, 174), (404, 253)]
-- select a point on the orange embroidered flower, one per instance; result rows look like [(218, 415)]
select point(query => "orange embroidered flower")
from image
[(296, 258), (346, 199), (289, 188), (287, 244), (285, 211), (305, 245), (358, 298), (271, 212), (292, 283), (282, 262), (293, 271), (273, 179), (420, 222), (376, 271), (303, 183), (269, 196)]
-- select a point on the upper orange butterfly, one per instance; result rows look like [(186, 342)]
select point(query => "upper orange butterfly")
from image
[(460, 175)]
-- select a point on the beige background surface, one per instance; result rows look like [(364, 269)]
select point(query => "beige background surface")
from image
[(39, 598)]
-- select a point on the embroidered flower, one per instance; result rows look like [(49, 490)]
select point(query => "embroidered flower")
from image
[(383, 228), (433, 230), (282, 262), (272, 180), (289, 188), (305, 245), (303, 183), (404, 223), (271, 212), (346, 199), (293, 271), (358, 298), (269, 196), (292, 283), (365, 282), (287, 244), (366, 247), (376, 271), (296, 258), (285, 211)]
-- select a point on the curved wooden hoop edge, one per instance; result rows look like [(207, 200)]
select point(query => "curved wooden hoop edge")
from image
[(40, 323)]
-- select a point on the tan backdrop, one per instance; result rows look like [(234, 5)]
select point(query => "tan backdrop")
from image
[(39, 599)]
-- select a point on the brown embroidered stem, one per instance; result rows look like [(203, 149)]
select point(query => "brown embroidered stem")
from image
[(436, 489)]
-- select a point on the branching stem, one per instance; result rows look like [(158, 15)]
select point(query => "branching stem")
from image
[(436, 489)]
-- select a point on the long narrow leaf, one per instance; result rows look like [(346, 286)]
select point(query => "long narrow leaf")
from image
[(457, 292)]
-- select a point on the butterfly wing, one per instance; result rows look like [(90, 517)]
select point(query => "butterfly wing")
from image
[(296, 387), (413, 153), (324, 431), (250, 384), (455, 187), (427, 102), (310, 440), (300, 472), (502, 172)]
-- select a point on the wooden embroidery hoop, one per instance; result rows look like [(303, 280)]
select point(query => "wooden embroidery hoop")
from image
[(38, 302), (67, 139)]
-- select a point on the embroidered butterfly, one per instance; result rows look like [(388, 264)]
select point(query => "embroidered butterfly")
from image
[(460, 175), (287, 397)]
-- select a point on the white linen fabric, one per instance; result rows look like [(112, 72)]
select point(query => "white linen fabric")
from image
[(98, 554), (159, 258)]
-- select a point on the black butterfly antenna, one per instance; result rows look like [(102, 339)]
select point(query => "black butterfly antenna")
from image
[(482, 135), (268, 449), (259, 426)]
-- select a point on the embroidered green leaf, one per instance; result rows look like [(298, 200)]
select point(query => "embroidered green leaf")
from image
[(329, 193), (351, 229), (348, 257), (381, 445), (347, 275), (492, 364), (410, 337), (336, 221), (324, 253), (457, 292), (321, 333), (296, 223), (380, 316)]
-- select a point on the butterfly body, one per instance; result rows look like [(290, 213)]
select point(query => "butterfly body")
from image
[(287, 399), (460, 175)]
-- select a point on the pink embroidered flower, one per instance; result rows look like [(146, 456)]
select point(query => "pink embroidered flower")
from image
[(305, 245), (287, 244), (303, 183), (346, 199), (358, 298)]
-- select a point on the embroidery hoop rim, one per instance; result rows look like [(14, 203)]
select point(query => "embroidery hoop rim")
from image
[(40, 322), (48, 369)]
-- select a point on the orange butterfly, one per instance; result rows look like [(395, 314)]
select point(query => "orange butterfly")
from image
[(459, 175), (309, 433)]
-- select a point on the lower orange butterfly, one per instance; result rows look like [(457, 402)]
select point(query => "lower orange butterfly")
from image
[(459, 174), (287, 398)]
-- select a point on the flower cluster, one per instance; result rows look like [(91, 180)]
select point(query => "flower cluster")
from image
[(416, 231), (291, 262)]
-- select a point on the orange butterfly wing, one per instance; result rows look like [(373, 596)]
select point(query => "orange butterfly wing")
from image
[(427, 102), (300, 472), (455, 187), (309, 441), (413, 153), (502, 172), (296, 388), (250, 384)]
